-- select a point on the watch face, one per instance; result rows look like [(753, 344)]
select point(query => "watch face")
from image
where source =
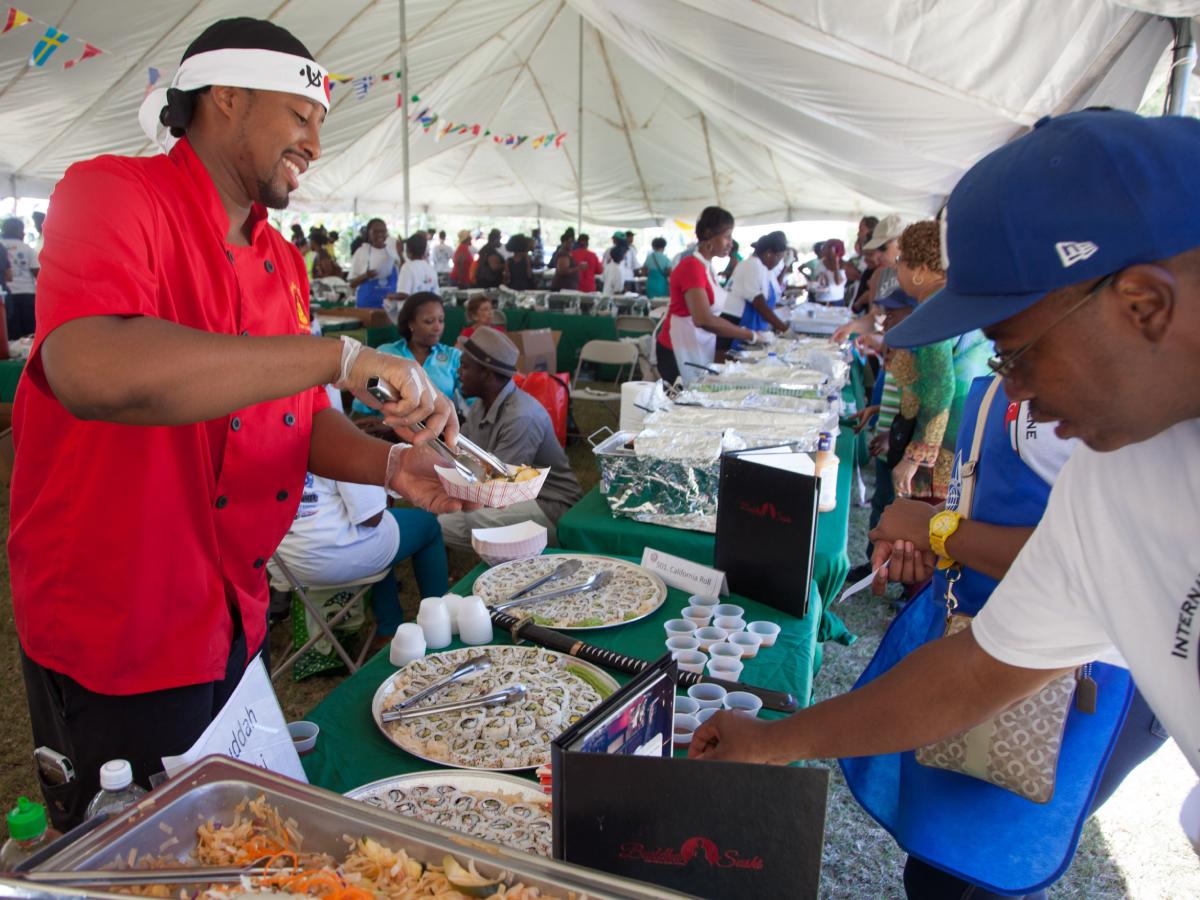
[(943, 524)]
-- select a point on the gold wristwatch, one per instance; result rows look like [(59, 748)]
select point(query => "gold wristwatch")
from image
[(941, 526)]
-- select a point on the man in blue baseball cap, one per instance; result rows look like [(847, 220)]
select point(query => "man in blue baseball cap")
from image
[(1077, 249)]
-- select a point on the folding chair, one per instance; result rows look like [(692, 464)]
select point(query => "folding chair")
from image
[(282, 579), (605, 353), (635, 324)]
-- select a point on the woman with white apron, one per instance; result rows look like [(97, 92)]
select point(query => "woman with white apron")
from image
[(374, 267), (687, 341)]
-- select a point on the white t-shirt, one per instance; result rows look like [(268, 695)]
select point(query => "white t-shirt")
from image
[(750, 279), (417, 275), (1113, 573), (825, 286), (614, 279), (23, 259), (377, 259), (443, 257)]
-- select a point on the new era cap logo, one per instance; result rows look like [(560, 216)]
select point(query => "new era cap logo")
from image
[(1071, 252)]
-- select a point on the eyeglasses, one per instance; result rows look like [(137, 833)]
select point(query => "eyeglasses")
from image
[(1003, 363)]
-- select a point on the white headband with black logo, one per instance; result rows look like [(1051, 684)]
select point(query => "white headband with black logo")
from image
[(267, 70)]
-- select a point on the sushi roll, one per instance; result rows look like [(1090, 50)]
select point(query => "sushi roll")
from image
[(462, 802), (524, 724), (445, 790), (417, 792), (423, 733), (504, 744), (460, 746), (491, 806), (496, 729), (470, 722), (521, 812), (406, 808), (395, 795), (470, 822)]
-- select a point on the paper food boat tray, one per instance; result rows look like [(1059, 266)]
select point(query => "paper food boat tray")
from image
[(493, 494)]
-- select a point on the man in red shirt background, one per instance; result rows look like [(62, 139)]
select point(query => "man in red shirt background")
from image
[(172, 403), (589, 264)]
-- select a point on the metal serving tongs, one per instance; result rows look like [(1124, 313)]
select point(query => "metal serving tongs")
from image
[(510, 694), (472, 666), (471, 461), (136, 877), (562, 570), (597, 581)]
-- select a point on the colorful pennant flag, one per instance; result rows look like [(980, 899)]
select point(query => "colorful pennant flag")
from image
[(15, 19), (44, 49), (152, 79), (426, 118), (88, 52), (362, 85)]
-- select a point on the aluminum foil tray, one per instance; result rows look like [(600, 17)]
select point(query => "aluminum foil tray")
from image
[(213, 787)]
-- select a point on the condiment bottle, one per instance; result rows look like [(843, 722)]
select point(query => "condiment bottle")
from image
[(28, 833), (826, 469)]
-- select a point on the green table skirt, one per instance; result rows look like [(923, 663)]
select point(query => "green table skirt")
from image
[(10, 374), (351, 750)]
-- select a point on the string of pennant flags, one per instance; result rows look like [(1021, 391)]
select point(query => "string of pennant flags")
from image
[(50, 41), (428, 119), (431, 122)]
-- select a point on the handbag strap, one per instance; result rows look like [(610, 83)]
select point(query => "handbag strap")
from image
[(966, 494), (966, 489)]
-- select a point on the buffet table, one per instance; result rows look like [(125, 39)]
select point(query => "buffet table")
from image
[(352, 751), (589, 526), (10, 374)]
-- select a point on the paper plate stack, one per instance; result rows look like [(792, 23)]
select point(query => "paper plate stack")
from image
[(500, 545)]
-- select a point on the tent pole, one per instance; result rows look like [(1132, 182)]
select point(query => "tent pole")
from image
[(404, 109), (1183, 60), (579, 138)]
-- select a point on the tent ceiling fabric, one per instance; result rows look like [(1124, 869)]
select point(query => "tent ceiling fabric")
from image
[(777, 110)]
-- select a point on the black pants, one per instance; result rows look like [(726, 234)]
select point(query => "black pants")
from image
[(19, 315), (1140, 736), (90, 728), (668, 368), (724, 343)]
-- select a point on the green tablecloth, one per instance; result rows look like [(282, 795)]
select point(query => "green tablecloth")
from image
[(351, 751), (576, 330), (10, 374), (590, 526)]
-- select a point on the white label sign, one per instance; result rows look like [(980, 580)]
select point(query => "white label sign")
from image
[(684, 574), (250, 727)]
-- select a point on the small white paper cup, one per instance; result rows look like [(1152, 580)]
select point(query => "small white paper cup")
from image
[(743, 703), (768, 631), (728, 609), (725, 668), (699, 615), (701, 600), (731, 624), (707, 713), (682, 642), (748, 641), (690, 660), (725, 649), (686, 706), (677, 627), (684, 728), (708, 695), (709, 635)]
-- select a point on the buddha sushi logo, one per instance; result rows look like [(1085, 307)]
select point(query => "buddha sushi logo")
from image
[(693, 849), (301, 308), (765, 510)]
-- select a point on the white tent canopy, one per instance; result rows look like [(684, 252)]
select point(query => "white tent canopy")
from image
[(777, 110)]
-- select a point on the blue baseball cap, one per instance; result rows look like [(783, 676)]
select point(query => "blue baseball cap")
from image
[(1079, 197), (897, 299)]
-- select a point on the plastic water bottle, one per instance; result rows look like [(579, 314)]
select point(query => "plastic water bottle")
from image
[(117, 790), (27, 833)]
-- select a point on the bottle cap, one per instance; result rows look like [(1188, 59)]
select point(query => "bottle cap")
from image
[(26, 820), (116, 775), (825, 441)]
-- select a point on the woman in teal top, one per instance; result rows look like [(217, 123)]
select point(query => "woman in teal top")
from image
[(658, 270), (422, 323)]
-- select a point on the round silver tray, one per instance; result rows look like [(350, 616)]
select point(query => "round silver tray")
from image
[(376, 794), (385, 688), (618, 564)]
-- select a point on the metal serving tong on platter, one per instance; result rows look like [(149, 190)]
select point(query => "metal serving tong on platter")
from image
[(597, 581), (136, 877), (510, 694), (471, 461), (470, 668), (564, 569)]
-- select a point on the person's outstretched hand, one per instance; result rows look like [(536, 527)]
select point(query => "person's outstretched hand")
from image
[(732, 737), (410, 473)]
